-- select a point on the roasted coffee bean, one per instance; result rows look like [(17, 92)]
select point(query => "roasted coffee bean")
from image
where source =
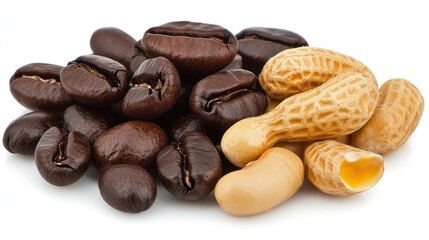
[(190, 168), (128, 188), (116, 111), (154, 89), (237, 63), (183, 125), (91, 122), (258, 44), (133, 142), (179, 109), (196, 49), (62, 158), (38, 86), (223, 98), (138, 58), (95, 80), (22, 135), (136, 61), (115, 44)]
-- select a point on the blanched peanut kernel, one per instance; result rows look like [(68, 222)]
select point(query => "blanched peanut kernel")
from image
[(262, 184)]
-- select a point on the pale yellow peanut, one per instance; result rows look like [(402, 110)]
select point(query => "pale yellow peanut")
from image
[(341, 170), (338, 107), (261, 185), (300, 69), (395, 118)]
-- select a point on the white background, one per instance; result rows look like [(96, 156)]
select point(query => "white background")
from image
[(391, 37)]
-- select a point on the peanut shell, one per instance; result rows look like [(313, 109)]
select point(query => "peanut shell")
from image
[(300, 69), (338, 107), (397, 115), (341, 170)]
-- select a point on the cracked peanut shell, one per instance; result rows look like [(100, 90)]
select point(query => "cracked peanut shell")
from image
[(342, 170)]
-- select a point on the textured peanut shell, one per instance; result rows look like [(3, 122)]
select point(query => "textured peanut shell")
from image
[(261, 185), (338, 107), (397, 115), (323, 160), (300, 69)]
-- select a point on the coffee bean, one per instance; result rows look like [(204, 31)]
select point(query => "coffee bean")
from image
[(237, 63), (38, 86), (138, 57), (133, 142), (196, 49), (183, 125), (226, 97), (258, 44), (22, 135), (95, 81), (155, 88), (128, 188), (62, 158), (115, 44), (91, 122), (179, 109), (190, 168)]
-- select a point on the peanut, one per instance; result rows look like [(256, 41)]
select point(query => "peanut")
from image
[(396, 116), (261, 185), (341, 170), (298, 70), (338, 107)]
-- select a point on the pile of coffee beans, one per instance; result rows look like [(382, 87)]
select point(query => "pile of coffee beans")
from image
[(159, 105)]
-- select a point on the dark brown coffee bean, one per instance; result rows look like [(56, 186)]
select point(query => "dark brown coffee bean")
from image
[(258, 44), (154, 89), (183, 125), (226, 97), (237, 63), (62, 158), (23, 133), (91, 122), (115, 44), (38, 86), (116, 111), (196, 49), (136, 61), (95, 81), (138, 58), (180, 108), (128, 188), (133, 142), (189, 169)]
